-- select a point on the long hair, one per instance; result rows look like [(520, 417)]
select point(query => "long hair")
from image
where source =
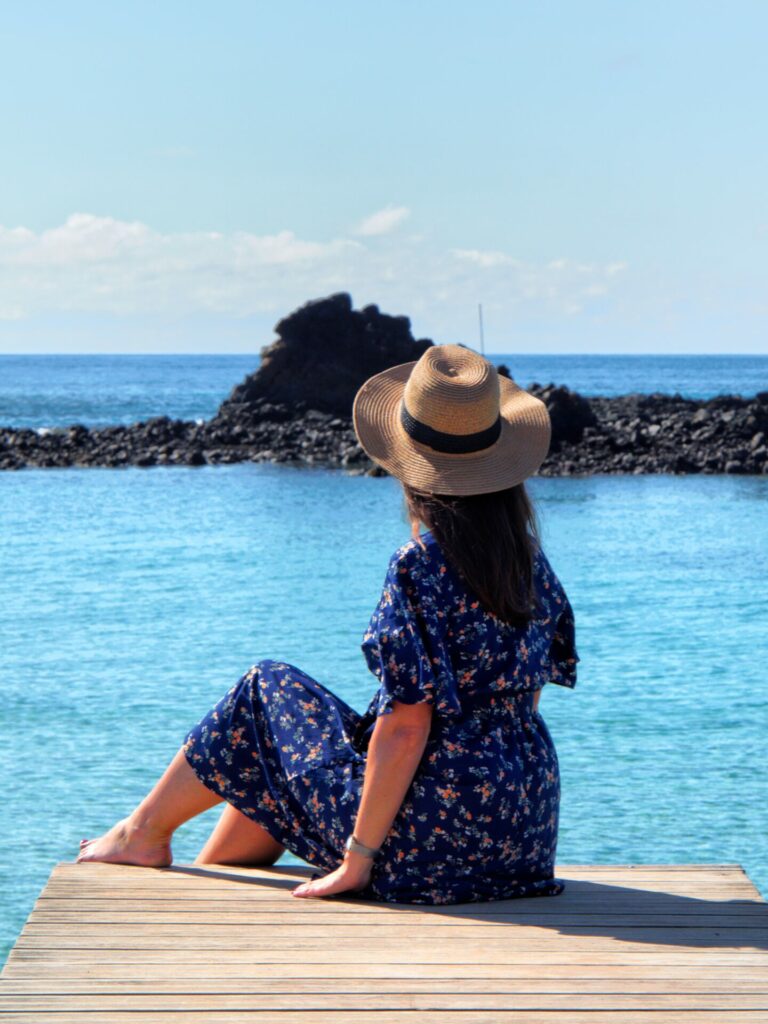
[(489, 539)]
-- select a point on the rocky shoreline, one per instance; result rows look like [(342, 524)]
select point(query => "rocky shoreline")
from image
[(296, 409)]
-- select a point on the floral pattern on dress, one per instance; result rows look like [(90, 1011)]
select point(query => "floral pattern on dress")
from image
[(479, 820)]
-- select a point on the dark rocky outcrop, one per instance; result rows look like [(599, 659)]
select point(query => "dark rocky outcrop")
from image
[(297, 407), (660, 433), (324, 351)]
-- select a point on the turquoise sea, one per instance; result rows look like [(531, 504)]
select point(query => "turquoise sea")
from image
[(131, 599)]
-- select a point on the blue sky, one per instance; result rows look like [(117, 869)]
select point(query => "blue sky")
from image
[(178, 176)]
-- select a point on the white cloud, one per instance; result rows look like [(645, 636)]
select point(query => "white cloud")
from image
[(383, 221), (100, 264), (483, 258), (93, 264), (11, 313), (84, 238), (615, 268)]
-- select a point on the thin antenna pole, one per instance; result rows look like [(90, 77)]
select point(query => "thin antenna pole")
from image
[(482, 335)]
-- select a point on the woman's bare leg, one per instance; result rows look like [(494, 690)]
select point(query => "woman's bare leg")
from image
[(239, 840), (144, 837)]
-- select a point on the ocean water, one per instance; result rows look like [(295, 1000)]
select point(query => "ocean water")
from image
[(49, 391), (131, 600)]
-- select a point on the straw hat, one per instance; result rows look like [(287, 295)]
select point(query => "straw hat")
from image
[(450, 424)]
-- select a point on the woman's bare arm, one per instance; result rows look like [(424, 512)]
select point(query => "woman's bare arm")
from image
[(536, 698), (395, 749)]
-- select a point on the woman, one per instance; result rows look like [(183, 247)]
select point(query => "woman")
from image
[(447, 789)]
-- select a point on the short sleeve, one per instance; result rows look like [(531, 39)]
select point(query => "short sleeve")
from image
[(404, 644), (563, 654)]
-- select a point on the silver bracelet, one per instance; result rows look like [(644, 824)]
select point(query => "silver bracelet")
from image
[(357, 847)]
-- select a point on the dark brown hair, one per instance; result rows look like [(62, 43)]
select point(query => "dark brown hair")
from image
[(489, 539)]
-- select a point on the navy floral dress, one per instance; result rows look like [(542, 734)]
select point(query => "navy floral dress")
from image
[(480, 818)]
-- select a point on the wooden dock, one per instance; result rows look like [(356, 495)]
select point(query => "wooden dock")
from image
[(682, 944)]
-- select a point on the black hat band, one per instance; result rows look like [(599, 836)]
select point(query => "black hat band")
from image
[(451, 444)]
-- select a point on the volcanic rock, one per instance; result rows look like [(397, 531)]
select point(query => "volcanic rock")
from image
[(324, 352)]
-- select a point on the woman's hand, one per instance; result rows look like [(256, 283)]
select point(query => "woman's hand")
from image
[(352, 874)]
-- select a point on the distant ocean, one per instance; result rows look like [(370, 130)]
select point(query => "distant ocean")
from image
[(49, 391), (130, 600)]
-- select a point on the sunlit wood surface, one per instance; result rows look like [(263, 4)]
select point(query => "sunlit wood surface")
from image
[(623, 944)]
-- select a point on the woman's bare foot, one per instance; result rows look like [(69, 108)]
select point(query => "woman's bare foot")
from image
[(128, 842), (144, 837)]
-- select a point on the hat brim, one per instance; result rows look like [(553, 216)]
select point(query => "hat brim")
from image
[(517, 453)]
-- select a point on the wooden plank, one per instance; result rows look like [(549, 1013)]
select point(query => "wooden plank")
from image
[(630, 943), (748, 917), (140, 972), (241, 935), (692, 982), (213, 877), (618, 901), (378, 1001), (473, 940), (262, 889), (508, 1016), (342, 961)]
